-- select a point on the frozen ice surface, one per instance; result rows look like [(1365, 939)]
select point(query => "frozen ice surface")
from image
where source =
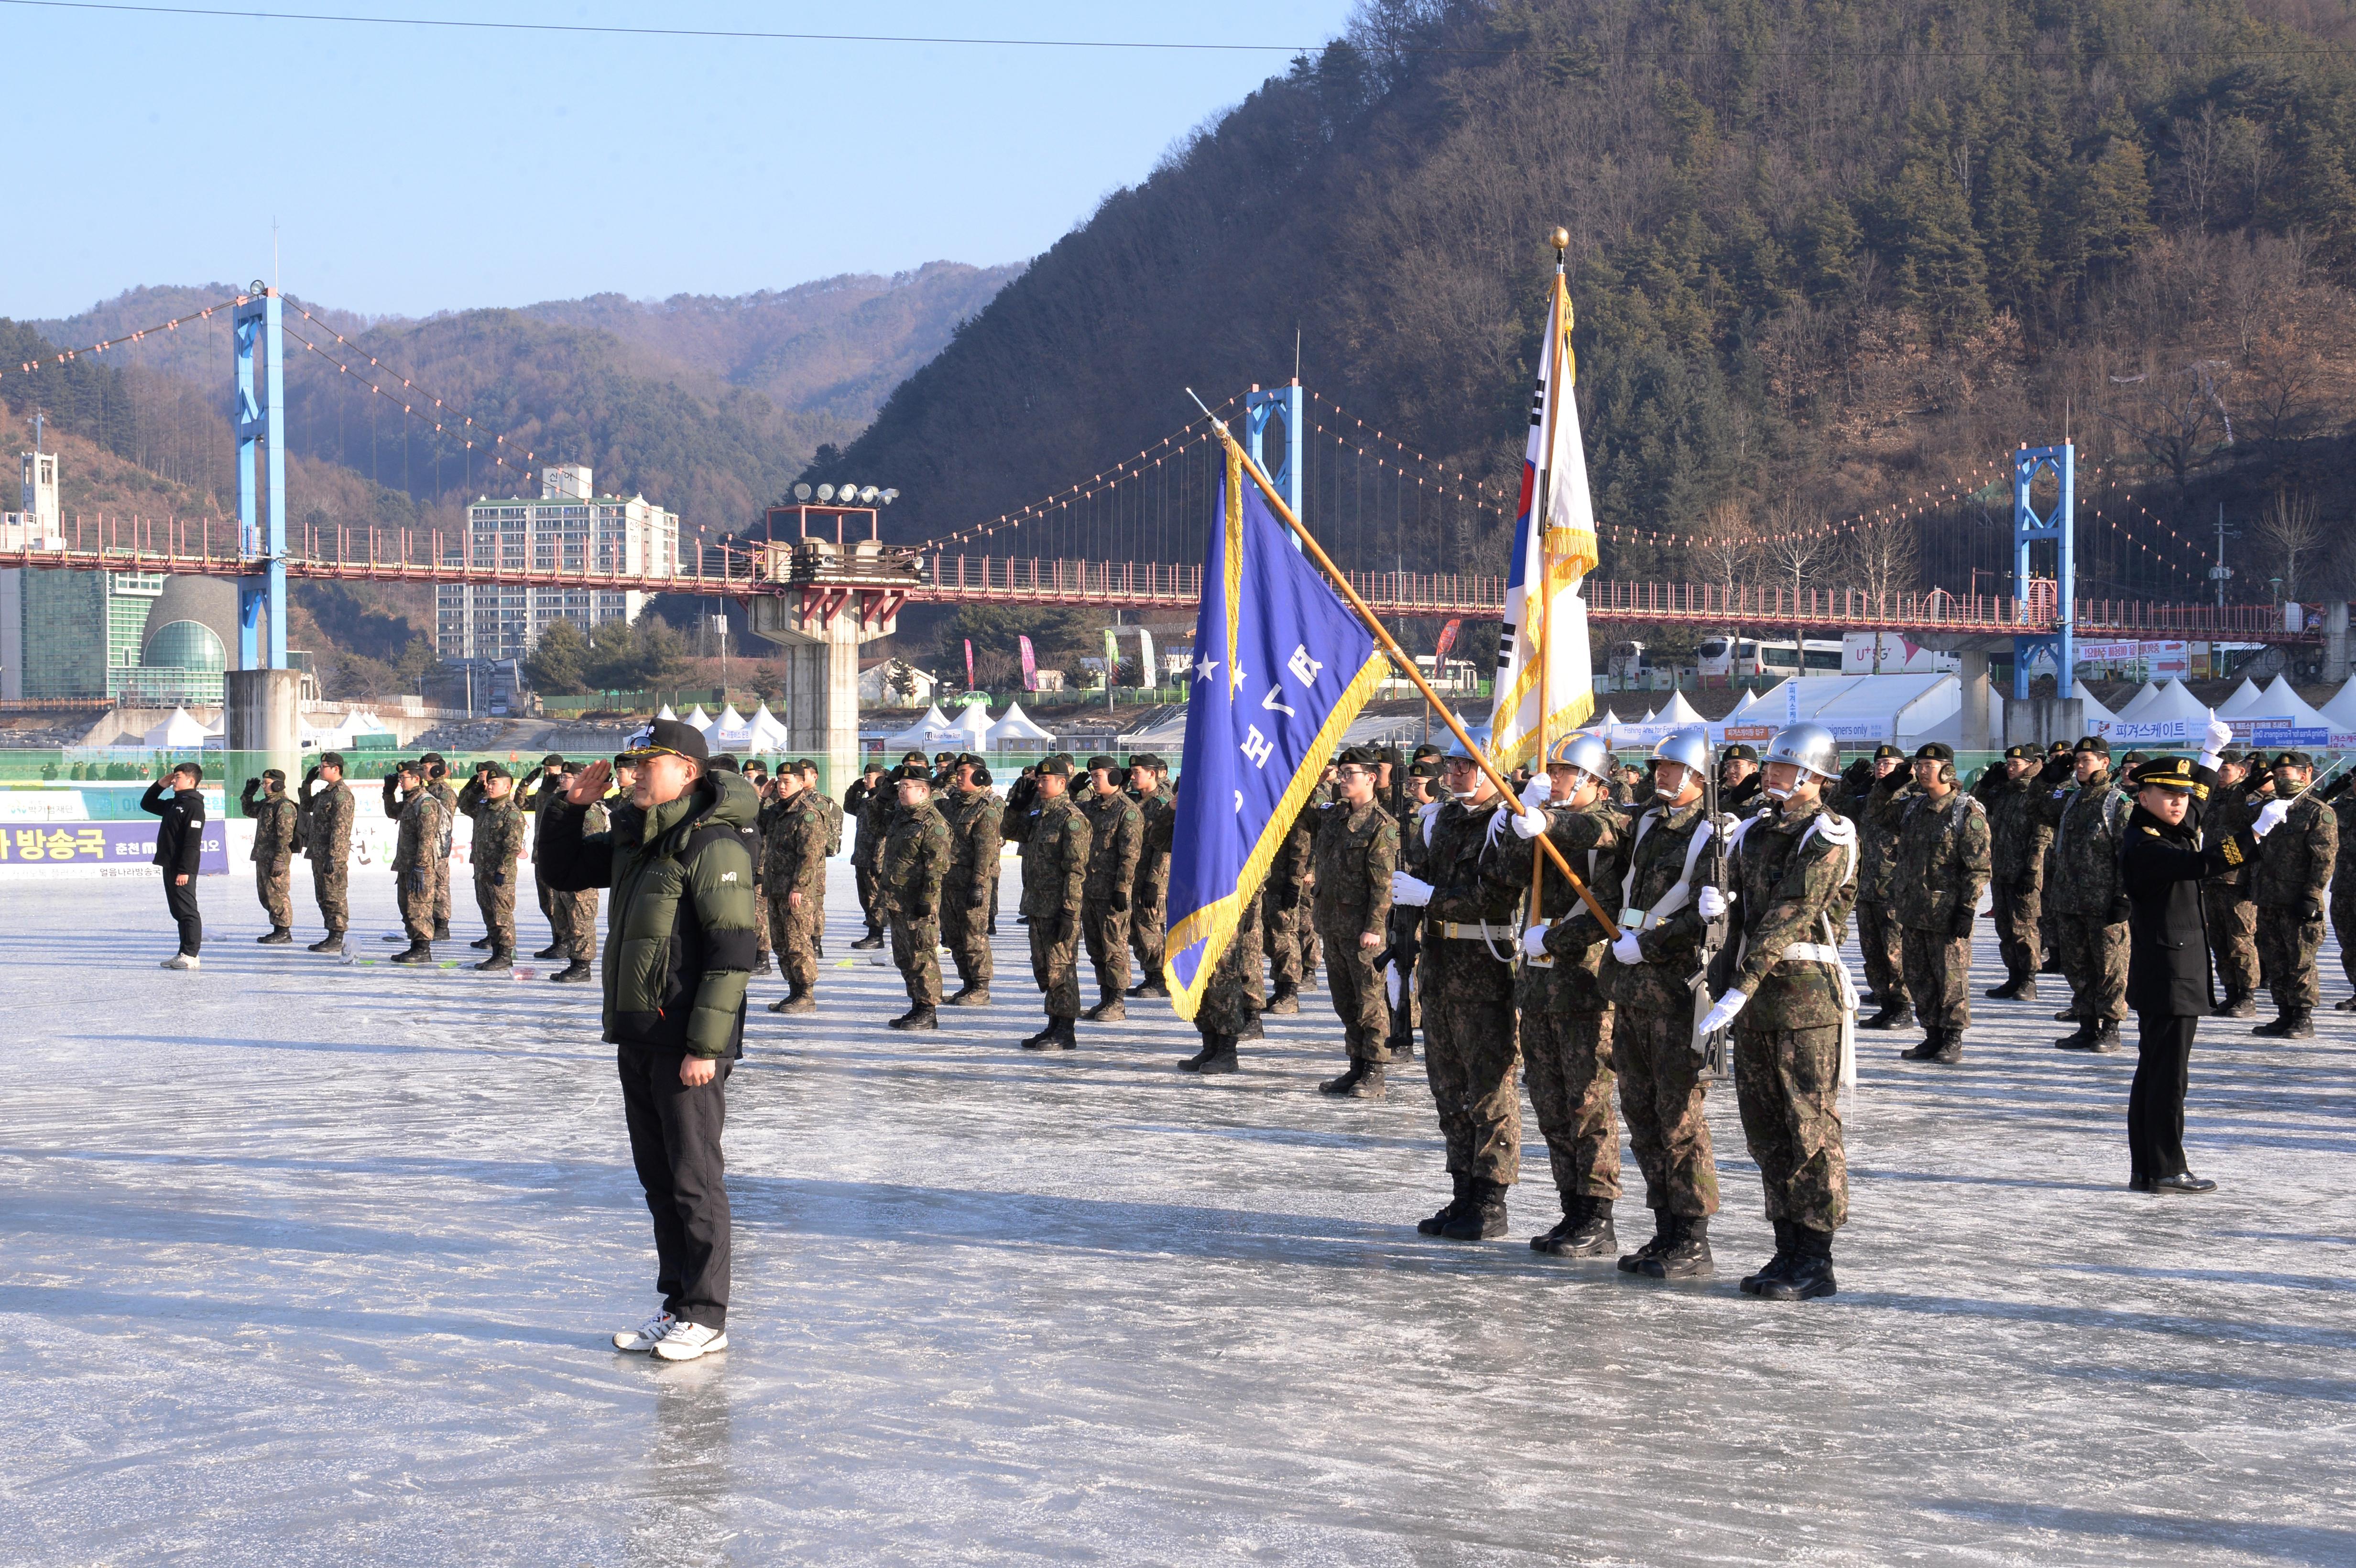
[(309, 1263)]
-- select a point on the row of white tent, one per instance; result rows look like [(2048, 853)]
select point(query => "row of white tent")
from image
[(1858, 710), (971, 731), (2165, 713), (732, 731)]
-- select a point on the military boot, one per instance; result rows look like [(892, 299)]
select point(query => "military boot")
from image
[(1056, 1036), (1449, 1210), (1928, 1050), (1152, 985), (480, 943), (416, 953), (553, 950), (1109, 1011), (967, 997), (1252, 1029), (2016, 987), (1363, 1081), (2081, 1041), (441, 931), (1775, 1267), (1402, 1045), (1217, 1055), (1950, 1042), (869, 943), (576, 973), (1687, 1257), (2107, 1038), (1585, 1232), (1894, 1014), (2345, 1005), (279, 937), (797, 1000), (501, 958), (2299, 1025), (2236, 1005), (1483, 1217), (921, 1015), (1664, 1232), (331, 943), (1286, 1001), (1811, 1273), (760, 964)]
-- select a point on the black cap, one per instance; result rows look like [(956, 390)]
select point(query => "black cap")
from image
[(2132, 757), (2096, 745), (1935, 751), (1390, 754), (725, 764), (980, 776), (2231, 754), (672, 736), (912, 755), (2058, 749), (1146, 759), (1427, 750), (1358, 757), (1739, 753), (277, 777), (2293, 760), (434, 757), (1109, 764), (495, 771), (331, 759), (552, 761), (1887, 750), (944, 756), (1058, 766), (1425, 769), (805, 765), (2028, 753), (2170, 773)]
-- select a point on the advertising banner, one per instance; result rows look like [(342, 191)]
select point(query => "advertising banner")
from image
[(969, 664), (1030, 666), (64, 848), (1146, 674)]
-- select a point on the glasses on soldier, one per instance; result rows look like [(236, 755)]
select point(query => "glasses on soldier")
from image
[(1352, 771)]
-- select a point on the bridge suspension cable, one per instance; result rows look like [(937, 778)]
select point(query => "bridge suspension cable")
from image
[(65, 355)]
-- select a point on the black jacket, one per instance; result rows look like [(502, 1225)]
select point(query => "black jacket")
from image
[(180, 836), (2160, 869)]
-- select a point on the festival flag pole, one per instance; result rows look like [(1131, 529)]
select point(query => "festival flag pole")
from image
[(1542, 504), (1389, 645)]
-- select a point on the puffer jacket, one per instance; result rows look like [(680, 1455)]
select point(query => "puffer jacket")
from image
[(680, 937)]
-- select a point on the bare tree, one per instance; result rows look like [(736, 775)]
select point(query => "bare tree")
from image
[(1791, 549), (2200, 151), (2290, 526), (2179, 417), (1883, 556), (2282, 376)]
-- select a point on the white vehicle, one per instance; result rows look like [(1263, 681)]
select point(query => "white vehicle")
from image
[(1722, 657)]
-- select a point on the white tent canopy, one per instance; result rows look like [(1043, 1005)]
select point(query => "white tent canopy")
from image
[(1879, 707), (764, 734), (2340, 714), (2245, 696), (730, 732), (179, 732), (2281, 719), (921, 732), (665, 713), (1014, 728), (699, 719), (2096, 718), (970, 731), (2142, 699), (2173, 717)]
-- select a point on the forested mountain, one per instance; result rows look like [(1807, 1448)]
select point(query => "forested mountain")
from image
[(1824, 255)]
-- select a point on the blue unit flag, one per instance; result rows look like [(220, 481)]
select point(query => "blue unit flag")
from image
[(1282, 667)]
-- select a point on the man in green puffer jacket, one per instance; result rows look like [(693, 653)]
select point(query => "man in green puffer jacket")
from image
[(680, 941)]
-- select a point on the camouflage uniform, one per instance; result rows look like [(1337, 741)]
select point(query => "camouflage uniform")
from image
[(2294, 861), (328, 840), (2089, 907), (2344, 882), (1470, 1048), (908, 876), (1116, 837), (500, 836), (275, 836), (414, 851), (795, 848), (1877, 913), (1055, 870), (1942, 853), (441, 791), (1407, 931), (1566, 1018), (1357, 851), (1232, 996), (1793, 881), (875, 822), (1148, 903), (969, 882), (2232, 916), (1284, 912), (1660, 1086), (2018, 835)]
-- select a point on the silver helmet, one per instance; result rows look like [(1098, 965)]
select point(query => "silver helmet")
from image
[(1456, 751), (1583, 749), (1690, 747), (1809, 746)]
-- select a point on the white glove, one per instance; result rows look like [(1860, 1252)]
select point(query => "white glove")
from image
[(2269, 818), (1723, 1012), (1413, 891), (1534, 941), (1530, 824), (2220, 735), (1538, 792), (1391, 982), (1709, 903), (1626, 950)]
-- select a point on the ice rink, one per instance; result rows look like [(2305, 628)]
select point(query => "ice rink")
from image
[(310, 1263)]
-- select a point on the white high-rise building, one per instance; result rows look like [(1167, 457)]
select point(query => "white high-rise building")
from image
[(39, 525), (570, 527)]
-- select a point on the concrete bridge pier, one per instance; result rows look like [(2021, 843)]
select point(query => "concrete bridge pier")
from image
[(839, 593), (261, 715), (821, 700)]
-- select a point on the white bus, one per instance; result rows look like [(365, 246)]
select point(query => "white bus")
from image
[(1730, 658)]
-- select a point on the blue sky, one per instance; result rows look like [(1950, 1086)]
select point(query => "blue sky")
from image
[(414, 169)]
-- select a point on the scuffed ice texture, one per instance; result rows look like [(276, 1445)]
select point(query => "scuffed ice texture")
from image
[(314, 1263)]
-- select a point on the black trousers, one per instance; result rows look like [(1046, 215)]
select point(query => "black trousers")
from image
[(2156, 1103), (675, 1143), (182, 901)]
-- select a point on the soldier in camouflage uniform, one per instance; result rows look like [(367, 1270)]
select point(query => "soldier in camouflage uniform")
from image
[(2298, 840), (1470, 927), (2090, 908), (421, 817), (2343, 880), (872, 811), (1656, 957), (1284, 912), (1566, 1018), (1056, 846), (2243, 788), (1231, 998), (437, 779), (1782, 988), (832, 808), (573, 917), (1877, 913), (277, 834), (908, 875), (798, 832), (1357, 851), (1149, 781), (971, 882), (500, 839), (536, 792), (1406, 920), (328, 840), (1943, 856), (2018, 835), (1116, 840)]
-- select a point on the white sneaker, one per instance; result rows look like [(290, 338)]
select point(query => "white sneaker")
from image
[(182, 960), (647, 1334), (686, 1341)]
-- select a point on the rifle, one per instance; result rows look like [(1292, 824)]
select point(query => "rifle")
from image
[(1710, 1047)]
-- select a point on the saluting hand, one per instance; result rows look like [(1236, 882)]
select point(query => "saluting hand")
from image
[(588, 787)]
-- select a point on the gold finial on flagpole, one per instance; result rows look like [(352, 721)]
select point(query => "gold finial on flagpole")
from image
[(1560, 240)]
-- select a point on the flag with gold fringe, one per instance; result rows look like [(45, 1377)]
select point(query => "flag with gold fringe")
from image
[(1542, 647), (1282, 667)]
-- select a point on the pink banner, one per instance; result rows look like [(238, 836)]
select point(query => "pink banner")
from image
[(1030, 666), (969, 664)]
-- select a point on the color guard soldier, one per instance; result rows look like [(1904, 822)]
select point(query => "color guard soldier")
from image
[(1357, 851), (327, 807), (2298, 840), (277, 834)]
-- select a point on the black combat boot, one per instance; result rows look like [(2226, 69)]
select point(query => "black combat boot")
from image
[(1927, 1050), (967, 996), (2344, 1005), (1109, 1011), (1217, 1055), (1950, 1043), (2236, 1005), (869, 943), (1449, 1210), (1483, 1217), (1363, 1081), (1777, 1266), (1811, 1274), (797, 1000), (1152, 985), (2017, 987), (481, 942), (1056, 1036), (1252, 1029), (331, 943), (2081, 1041), (576, 973), (441, 931), (1402, 1045), (1688, 1254), (1664, 1233), (2299, 1025), (1896, 1013), (501, 958), (921, 1015), (1869, 1000), (760, 964), (1286, 1001), (553, 950), (278, 936), (2028, 992), (1585, 1232), (416, 953), (2107, 1038)]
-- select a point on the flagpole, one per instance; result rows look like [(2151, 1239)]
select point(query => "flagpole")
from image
[(1399, 657), (1541, 502)]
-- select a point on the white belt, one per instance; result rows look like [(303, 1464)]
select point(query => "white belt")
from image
[(1545, 962), (1643, 920), (1815, 950), (1462, 931)]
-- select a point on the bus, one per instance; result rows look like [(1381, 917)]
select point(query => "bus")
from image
[(1738, 659)]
